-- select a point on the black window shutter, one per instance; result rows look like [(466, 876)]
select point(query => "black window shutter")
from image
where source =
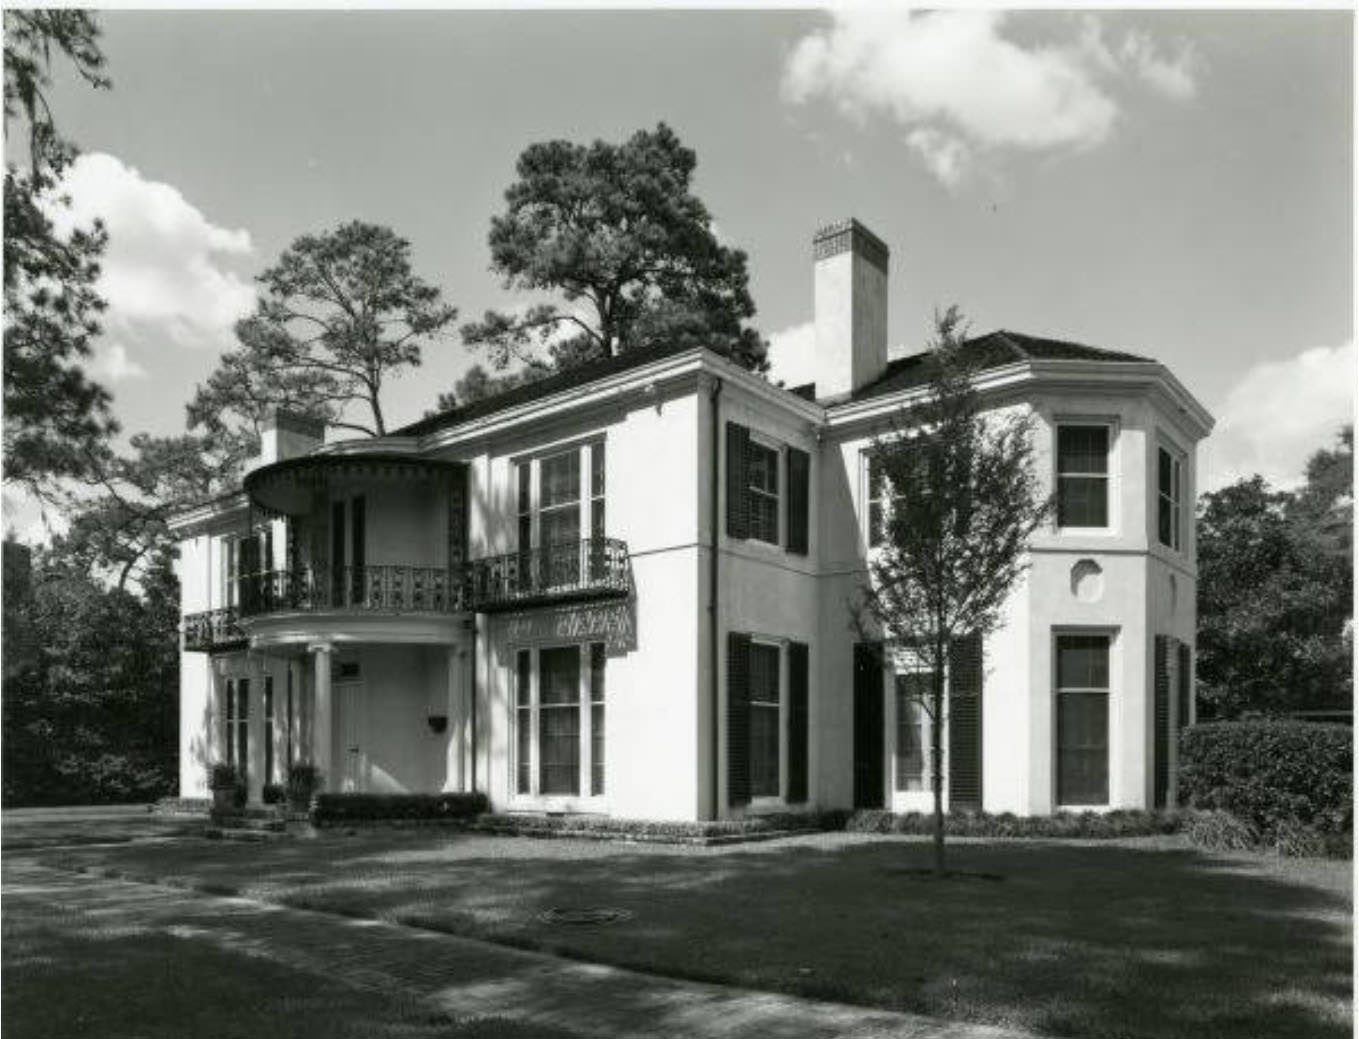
[(964, 724), (1186, 686), (798, 667), (738, 483), (738, 719), (799, 500), (1161, 723)]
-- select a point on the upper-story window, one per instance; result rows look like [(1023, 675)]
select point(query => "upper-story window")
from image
[(1169, 498), (1083, 475), (762, 474), (560, 496)]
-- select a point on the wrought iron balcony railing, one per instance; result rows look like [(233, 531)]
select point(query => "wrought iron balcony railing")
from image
[(395, 589), (596, 568), (212, 629)]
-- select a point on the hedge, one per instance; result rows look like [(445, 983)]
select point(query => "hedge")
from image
[(1095, 825), (1273, 775), (648, 830), (347, 808)]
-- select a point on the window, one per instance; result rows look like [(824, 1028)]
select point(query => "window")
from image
[(559, 721), (1170, 498), (1083, 476), (877, 503), (560, 498), (268, 728), (912, 693), (765, 735), (238, 725), (1082, 719), (762, 472)]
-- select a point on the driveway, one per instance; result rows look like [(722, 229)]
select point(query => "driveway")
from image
[(471, 987)]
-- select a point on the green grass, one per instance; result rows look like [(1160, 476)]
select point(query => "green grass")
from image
[(1141, 938)]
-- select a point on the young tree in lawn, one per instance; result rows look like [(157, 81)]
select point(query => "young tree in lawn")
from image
[(615, 230), (341, 314), (963, 497), (57, 420)]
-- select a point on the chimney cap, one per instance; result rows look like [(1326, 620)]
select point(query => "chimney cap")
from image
[(850, 236), (295, 422)]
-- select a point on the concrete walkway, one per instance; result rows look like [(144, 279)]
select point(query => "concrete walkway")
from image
[(463, 977)]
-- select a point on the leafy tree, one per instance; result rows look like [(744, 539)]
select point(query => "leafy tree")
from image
[(616, 231), (1274, 592), (964, 498), (479, 384), (57, 421), (342, 313)]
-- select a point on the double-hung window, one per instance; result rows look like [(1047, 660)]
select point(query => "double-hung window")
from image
[(238, 725), (559, 711), (765, 720), (560, 497), (1082, 719), (912, 689), (762, 472), (1169, 498), (1083, 475)]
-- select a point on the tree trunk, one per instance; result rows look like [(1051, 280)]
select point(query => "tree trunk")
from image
[(937, 764)]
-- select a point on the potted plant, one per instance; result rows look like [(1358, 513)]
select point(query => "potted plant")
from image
[(228, 792), (273, 793), (303, 782)]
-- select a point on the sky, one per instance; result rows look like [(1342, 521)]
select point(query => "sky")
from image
[(1173, 184)]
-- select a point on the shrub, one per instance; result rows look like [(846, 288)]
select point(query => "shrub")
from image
[(1274, 775), (346, 808), (272, 794), (642, 829), (303, 781), (1220, 831), (223, 777), (1095, 825)]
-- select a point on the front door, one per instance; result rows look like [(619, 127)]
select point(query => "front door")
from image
[(868, 728), (350, 759)]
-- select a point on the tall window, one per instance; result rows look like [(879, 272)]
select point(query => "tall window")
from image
[(597, 658), (1082, 719), (1083, 476), (560, 498), (238, 724), (523, 717), (912, 691), (877, 502), (764, 720), (559, 721), (597, 490), (1170, 498), (762, 470), (268, 728)]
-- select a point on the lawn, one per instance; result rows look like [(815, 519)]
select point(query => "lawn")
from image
[(1146, 938)]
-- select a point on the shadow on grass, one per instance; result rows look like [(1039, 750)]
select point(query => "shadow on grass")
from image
[(1077, 940)]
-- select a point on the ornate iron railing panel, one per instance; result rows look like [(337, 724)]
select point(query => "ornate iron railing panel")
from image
[(595, 568), (212, 629), (387, 589)]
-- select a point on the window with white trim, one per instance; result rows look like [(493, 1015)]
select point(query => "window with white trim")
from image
[(1169, 498), (560, 496), (1083, 475), (766, 719), (238, 725), (912, 689), (762, 473), (559, 705), (1082, 680)]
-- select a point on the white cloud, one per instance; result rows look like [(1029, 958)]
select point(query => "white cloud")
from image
[(1173, 77), (1278, 414), (961, 87), (792, 355), (162, 268), (113, 364)]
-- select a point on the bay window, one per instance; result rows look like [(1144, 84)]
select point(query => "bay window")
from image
[(1169, 498), (1082, 719)]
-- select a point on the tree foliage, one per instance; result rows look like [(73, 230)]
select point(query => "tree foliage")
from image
[(90, 683), (341, 314), (479, 384), (57, 420), (1274, 592), (964, 498), (617, 233)]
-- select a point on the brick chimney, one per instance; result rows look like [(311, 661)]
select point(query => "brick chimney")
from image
[(851, 308), (286, 434)]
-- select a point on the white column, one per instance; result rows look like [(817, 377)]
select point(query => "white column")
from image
[(321, 713)]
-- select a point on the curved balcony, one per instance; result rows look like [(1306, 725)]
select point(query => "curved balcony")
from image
[(389, 589), (212, 630), (568, 571)]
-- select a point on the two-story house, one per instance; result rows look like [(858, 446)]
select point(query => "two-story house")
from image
[(624, 590)]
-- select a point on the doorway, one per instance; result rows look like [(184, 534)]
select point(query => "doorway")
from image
[(351, 763)]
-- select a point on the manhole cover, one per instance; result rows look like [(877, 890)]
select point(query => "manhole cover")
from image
[(598, 915)]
